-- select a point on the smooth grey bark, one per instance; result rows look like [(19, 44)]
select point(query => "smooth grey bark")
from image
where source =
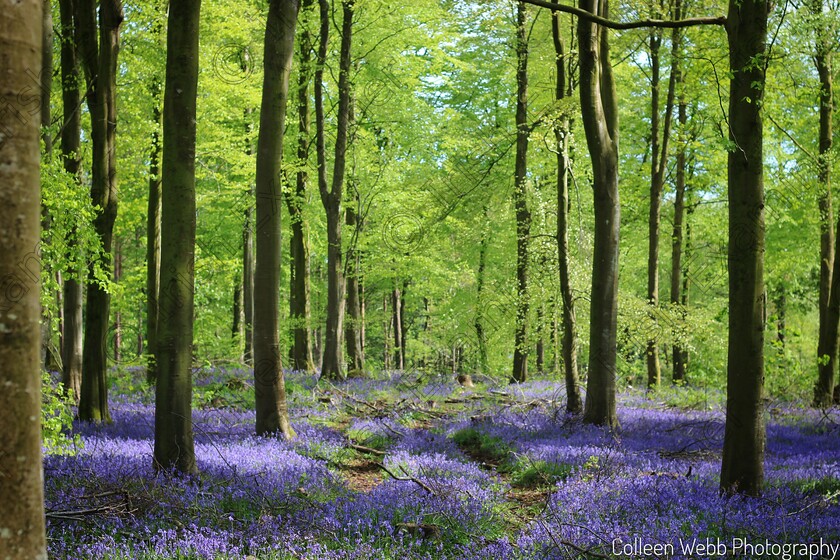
[(21, 491), (72, 299), (300, 314), (742, 466), (353, 325), (332, 366), (153, 235), (174, 441), (658, 165), (520, 200), (678, 287), (480, 280), (562, 131), (827, 343), (99, 62), (269, 382), (599, 112)]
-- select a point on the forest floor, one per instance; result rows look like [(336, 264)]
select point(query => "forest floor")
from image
[(408, 465)]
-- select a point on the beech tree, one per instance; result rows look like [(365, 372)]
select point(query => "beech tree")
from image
[(174, 444), (269, 383), (21, 485), (520, 198), (332, 194), (742, 467), (564, 87), (99, 61), (599, 112), (72, 296), (300, 314), (829, 307)]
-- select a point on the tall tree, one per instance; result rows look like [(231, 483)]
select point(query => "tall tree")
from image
[(679, 293), (354, 323), (248, 262), (299, 289), (562, 131), (71, 342), (331, 195), (21, 485), (397, 322), (599, 111), (658, 165), (174, 445), (153, 239), (99, 62), (272, 413), (827, 344), (742, 468), (520, 198)]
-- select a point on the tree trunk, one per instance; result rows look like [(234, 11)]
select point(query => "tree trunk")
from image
[(386, 330), (520, 199), (174, 444), (153, 236), (100, 66), (71, 342), (48, 358), (21, 490), (331, 196), (541, 338), (781, 313), (269, 382), (236, 322), (658, 164), (248, 283), (679, 356), (480, 333), (563, 89), (353, 332), (299, 302), (827, 344), (117, 329), (600, 122), (396, 310), (742, 468)]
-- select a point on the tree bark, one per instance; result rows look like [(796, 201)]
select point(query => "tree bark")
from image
[(827, 344), (600, 122), (153, 236), (658, 164), (100, 67), (117, 329), (300, 313), (248, 270), (71, 342), (353, 326), (678, 353), (269, 382), (396, 311), (520, 199), (49, 360), (174, 443), (480, 333), (21, 491), (562, 130), (331, 196), (742, 468)]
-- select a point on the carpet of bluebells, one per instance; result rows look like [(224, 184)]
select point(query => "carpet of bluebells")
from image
[(493, 472)]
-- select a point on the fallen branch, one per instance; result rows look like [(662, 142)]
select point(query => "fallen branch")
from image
[(407, 478)]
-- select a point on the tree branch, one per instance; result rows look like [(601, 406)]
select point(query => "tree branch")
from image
[(664, 24)]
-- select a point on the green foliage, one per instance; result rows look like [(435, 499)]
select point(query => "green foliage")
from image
[(57, 419), (539, 474), (484, 447)]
